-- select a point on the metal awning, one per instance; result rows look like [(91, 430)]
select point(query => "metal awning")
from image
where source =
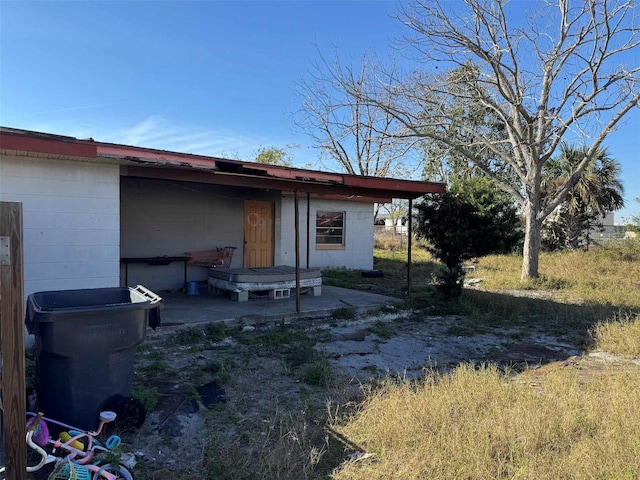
[(161, 164), (165, 165)]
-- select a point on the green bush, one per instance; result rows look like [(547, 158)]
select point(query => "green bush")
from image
[(472, 219)]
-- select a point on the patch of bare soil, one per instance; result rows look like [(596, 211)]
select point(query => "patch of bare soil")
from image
[(539, 294), (252, 401)]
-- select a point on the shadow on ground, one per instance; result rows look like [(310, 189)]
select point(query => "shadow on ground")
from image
[(278, 378)]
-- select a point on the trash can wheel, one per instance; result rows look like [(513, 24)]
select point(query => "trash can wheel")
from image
[(130, 412)]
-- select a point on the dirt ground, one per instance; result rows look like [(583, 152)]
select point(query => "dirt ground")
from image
[(251, 401)]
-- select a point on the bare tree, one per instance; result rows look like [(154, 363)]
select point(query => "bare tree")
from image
[(357, 134), (566, 73)]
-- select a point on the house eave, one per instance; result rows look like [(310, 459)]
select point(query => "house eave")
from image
[(161, 164)]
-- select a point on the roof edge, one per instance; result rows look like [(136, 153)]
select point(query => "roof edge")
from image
[(46, 143)]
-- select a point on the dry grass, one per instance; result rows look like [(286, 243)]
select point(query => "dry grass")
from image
[(471, 424), (393, 264), (287, 446), (604, 279), (481, 425), (610, 275), (620, 336), (390, 242)]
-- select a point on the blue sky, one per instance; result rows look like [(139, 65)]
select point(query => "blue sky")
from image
[(213, 77)]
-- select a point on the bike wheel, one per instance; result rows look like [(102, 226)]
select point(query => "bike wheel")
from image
[(120, 472), (130, 413)]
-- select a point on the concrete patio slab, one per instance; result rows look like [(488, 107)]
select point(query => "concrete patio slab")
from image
[(179, 308)]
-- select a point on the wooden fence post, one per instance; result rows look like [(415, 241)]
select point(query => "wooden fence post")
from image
[(12, 341)]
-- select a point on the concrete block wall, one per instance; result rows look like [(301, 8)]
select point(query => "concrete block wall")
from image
[(358, 249), (71, 218), (80, 218), (170, 218)]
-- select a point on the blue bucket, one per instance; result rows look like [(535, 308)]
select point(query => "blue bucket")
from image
[(192, 288)]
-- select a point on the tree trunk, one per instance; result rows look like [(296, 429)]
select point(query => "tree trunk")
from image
[(574, 231), (531, 253)]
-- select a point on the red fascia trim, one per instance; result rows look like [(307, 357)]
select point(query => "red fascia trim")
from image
[(274, 171), (52, 147), (161, 157), (355, 198), (297, 174), (394, 184), (87, 149)]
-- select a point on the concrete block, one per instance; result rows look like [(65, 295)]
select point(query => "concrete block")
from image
[(240, 296), (278, 293)]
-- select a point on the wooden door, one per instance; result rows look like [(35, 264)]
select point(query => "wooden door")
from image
[(259, 218)]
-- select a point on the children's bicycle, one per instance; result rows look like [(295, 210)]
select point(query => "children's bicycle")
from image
[(77, 454)]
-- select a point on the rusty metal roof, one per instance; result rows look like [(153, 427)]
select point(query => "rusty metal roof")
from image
[(162, 164)]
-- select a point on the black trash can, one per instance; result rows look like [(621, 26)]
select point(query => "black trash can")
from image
[(85, 340)]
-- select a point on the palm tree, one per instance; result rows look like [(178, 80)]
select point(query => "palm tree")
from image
[(597, 192)]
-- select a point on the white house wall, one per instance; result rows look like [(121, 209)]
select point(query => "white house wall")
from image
[(71, 221), (170, 218), (358, 248), (80, 218)]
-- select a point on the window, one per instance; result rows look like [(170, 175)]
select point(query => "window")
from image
[(330, 229)]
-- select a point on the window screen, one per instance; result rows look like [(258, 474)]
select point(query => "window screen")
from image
[(329, 228)]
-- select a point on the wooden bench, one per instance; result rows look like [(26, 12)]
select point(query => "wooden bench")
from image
[(216, 258)]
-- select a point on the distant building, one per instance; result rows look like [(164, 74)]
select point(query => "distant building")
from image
[(388, 224), (608, 229)]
